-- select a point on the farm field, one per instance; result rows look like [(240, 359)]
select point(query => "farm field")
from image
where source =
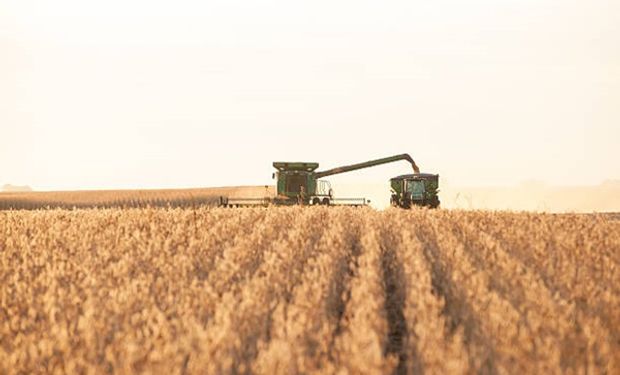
[(127, 198), (308, 290)]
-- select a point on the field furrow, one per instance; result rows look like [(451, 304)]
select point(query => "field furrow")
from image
[(302, 331), (245, 312), (432, 346), (461, 309), (363, 342)]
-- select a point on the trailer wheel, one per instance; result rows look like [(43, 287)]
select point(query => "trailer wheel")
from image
[(316, 201), (326, 201)]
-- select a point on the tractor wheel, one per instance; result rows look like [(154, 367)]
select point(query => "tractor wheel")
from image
[(394, 201)]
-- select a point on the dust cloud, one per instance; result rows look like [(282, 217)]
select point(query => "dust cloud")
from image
[(527, 196)]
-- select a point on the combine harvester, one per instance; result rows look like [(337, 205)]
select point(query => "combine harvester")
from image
[(300, 183)]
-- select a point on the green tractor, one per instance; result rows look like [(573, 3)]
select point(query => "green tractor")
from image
[(419, 189)]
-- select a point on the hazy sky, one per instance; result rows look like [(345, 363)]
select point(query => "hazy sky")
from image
[(122, 94)]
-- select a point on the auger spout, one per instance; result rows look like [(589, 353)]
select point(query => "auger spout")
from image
[(367, 164)]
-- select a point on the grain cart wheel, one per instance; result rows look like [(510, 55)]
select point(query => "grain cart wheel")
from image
[(394, 200), (325, 201)]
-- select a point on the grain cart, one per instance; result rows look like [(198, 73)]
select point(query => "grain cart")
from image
[(419, 189), (300, 183)]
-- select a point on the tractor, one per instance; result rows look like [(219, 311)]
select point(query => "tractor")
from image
[(419, 189)]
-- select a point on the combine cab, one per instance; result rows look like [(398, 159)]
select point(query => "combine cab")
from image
[(418, 189)]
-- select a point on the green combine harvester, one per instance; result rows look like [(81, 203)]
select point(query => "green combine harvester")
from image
[(298, 183)]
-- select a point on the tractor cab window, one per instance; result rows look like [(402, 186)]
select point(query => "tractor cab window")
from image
[(294, 183), (416, 188)]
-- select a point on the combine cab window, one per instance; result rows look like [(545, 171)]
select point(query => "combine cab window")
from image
[(295, 182), (416, 188)]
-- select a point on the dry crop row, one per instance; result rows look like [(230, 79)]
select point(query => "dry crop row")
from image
[(308, 290), (163, 198)]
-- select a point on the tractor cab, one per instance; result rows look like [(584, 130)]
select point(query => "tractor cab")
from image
[(418, 189)]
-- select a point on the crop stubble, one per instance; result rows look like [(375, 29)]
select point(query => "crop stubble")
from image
[(308, 290)]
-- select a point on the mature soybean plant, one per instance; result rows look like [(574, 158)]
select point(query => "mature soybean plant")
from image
[(308, 290)]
